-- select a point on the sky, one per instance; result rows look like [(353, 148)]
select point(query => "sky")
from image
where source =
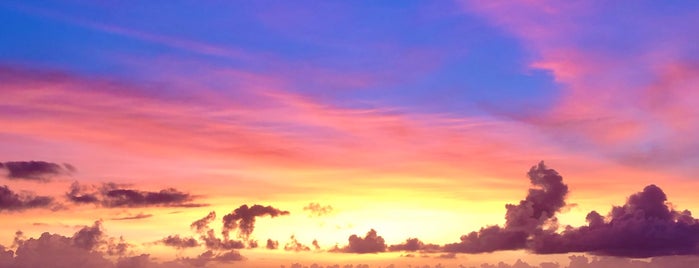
[(533, 133)]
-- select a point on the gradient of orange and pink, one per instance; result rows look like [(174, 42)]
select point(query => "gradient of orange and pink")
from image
[(416, 119)]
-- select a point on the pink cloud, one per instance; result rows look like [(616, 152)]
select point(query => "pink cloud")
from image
[(624, 76)]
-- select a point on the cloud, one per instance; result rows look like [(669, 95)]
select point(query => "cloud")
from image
[(316, 210), (134, 217), (295, 245), (371, 243), (113, 195), (178, 242), (243, 219), (209, 256), (86, 248), (35, 170), (90, 247), (414, 244), (544, 199), (208, 236), (643, 227), (202, 224), (89, 237), (271, 244), (11, 201)]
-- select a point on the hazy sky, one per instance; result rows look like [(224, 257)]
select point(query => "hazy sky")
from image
[(268, 133)]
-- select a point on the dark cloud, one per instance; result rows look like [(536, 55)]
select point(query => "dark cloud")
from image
[(371, 243), (212, 242), (89, 248), (253, 244), (178, 242), (35, 170), (414, 244), (643, 227), (114, 195), (11, 201), (544, 199), (134, 217), (208, 236), (202, 224), (646, 226), (89, 237), (209, 256), (315, 244), (295, 245), (271, 244), (86, 248), (450, 255), (316, 210), (243, 219)]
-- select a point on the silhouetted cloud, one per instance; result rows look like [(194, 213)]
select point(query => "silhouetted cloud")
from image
[(271, 244), (522, 220), (115, 195), (86, 248), (208, 236), (11, 201), (316, 210), (371, 243), (253, 243), (89, 248), (643, 227), (35, 170), (89, 237), (209, 256), (134, 217), (178, 242), (295, 245), (201, 225), (243, 219), (414, 244)]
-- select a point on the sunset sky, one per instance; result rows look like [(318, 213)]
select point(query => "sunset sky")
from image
[(269, 133)]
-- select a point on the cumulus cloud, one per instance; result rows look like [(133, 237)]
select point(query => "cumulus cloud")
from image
[(243, 219), (113, 195), (209, 256), (11, 201), (208, 236), (414, 244), (370, 243), (178, 242), (544, 199), (272, 244), (643, 227), (35, 170), (86, 248), (90, 247), (295, 245), (316, 210), (202, 224)]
